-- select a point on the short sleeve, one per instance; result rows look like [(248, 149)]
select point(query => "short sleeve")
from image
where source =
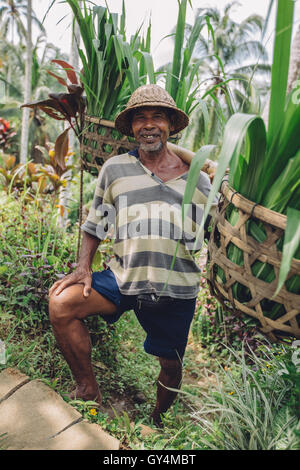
[(102, 213)]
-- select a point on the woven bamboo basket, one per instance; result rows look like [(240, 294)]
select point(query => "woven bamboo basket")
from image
[(260, 298), (100, 141)]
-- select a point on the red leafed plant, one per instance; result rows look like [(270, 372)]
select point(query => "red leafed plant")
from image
[(6, 134), (68, 107)]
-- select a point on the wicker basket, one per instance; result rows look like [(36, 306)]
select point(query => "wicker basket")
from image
[(101, 141), (260, 293)]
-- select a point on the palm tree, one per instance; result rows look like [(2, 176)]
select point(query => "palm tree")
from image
[(11, 18), (11, 66), (12, 21), (13, 58), (13, 14), (229, 51), (230, 42), (41, 128)]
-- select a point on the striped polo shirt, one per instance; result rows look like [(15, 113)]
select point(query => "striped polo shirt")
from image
[(143, 215)]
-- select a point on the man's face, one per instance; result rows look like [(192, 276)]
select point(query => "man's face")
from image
[(151, 128)]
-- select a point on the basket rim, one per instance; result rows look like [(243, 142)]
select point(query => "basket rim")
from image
[(255, 210), (99, 120)]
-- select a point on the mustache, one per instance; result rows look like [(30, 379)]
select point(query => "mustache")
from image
[(143, 133)]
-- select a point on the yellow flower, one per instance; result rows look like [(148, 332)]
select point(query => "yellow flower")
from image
[(93, 412), (51, 153)]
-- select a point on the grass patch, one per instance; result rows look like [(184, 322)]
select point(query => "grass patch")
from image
[(34, 253)]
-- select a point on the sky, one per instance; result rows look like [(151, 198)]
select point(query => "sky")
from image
[(163, 18)]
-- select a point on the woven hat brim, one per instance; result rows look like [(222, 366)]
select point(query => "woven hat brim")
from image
[(123, 124)]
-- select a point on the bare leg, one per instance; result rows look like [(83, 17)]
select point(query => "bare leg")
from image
[(170, 376), (67, 310)]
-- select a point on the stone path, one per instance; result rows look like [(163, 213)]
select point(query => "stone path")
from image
[(34, 417)]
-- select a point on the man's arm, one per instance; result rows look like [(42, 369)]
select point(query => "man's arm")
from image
[(82, 274), (89, 247), (90, 240)]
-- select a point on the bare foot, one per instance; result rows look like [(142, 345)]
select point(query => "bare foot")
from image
[(155, 418), (82, 392)]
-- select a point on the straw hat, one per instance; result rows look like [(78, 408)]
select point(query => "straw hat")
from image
[(150, 95)]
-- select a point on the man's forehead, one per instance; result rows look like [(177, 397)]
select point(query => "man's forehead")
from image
[(150, 109)]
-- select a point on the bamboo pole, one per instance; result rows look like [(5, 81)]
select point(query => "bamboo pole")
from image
[(187, 156)]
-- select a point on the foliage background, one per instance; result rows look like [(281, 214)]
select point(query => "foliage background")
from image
[(239, 392)]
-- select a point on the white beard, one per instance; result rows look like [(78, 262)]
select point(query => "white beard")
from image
[(151, 147)]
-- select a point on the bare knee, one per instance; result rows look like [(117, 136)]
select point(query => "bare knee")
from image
[(63, 307)]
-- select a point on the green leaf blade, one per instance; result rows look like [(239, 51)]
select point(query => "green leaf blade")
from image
[(291, 245)]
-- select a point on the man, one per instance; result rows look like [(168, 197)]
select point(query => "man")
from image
[(139, 277)]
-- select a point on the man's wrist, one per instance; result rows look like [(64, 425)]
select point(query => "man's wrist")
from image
[(85, 267)]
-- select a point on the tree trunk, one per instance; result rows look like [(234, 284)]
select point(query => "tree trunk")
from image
[(27, 87), (65, 192)]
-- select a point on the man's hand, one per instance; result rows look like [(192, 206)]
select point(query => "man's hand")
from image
[(210, 167), (82, 274), (79, 276)]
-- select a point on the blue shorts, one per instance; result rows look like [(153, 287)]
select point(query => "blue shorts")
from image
[(166, 321)]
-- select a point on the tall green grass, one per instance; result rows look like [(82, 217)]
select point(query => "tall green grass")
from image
[(254, 406), (265, 164), (182, 72), (113, 67)]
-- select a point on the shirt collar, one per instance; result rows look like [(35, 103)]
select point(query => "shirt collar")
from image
[(134, 153)]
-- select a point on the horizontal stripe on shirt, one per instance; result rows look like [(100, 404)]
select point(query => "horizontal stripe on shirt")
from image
[(146, 213)]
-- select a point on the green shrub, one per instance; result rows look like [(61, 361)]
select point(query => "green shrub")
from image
[(254, 407), (34, 253), (89, 185)]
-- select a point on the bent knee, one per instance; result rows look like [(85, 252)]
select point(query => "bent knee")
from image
[(64, 306)]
